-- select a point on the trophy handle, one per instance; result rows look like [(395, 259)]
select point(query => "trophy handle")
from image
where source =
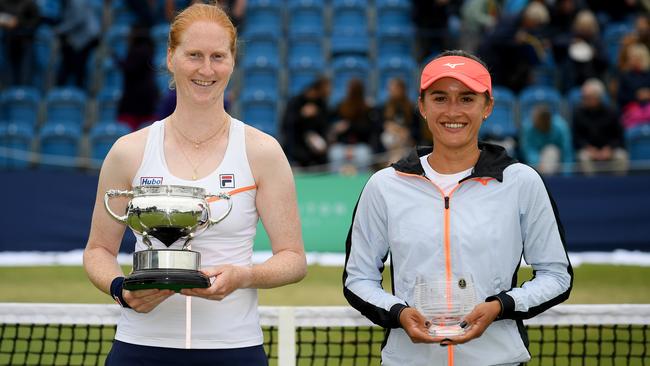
[(116, 193), (224, 196)]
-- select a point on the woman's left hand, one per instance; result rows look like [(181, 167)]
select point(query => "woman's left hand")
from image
[(225, 279), (476, 322)]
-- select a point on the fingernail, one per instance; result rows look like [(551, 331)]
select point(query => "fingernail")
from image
[(463, 324)]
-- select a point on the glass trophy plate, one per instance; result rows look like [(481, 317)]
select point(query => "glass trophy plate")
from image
[(444, 303)]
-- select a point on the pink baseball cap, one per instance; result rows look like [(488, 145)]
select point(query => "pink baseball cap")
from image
[(463, 69)]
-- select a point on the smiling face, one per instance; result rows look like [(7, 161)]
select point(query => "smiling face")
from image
[(454, 113), (202, 63)]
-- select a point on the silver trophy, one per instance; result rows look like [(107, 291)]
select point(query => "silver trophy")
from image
[(168, 213), (444, 303)]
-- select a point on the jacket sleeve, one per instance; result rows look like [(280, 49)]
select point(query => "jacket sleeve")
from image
[(544, 249), (367, 249)]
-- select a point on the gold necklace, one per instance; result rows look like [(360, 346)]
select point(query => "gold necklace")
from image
[(195, 167), (198, 143)]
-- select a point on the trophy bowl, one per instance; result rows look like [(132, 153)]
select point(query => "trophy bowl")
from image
[(168, 213), (444, 303)]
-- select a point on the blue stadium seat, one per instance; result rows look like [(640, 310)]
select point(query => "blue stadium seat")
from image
[(50, 10), (501, 123), (107, 104), (117, 38), (112, 75), (59, 145), (344, 69), (66, 104), (306, 17), (102, 137), (349, 15), (394, 15), (305, 50), (159, 34), (263, 17), (261, 78), (20, 104), (404, 68), (163, 77), (261, 50), (399, 42), (349, 42), (301, 75), (539, 94), (44, 47), (612, 35), (637, 141), (122, 15), (16, 138), (260, 110)]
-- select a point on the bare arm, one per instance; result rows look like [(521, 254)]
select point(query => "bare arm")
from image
[(100, 255), (278, 209)]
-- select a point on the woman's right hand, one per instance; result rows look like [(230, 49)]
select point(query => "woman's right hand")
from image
[(143, 301)]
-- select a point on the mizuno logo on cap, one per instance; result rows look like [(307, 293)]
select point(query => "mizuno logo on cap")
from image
[(453, 66)]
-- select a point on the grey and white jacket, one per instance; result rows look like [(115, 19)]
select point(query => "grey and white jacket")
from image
[(492, 218)]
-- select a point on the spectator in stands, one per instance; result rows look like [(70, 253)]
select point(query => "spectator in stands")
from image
[(145, 12), (194, 146), (597, 132), (305, 123), (140, 92), (400, 121), (79, 33), (545, 141), (516, 46), (456, 212), (640, 34), (563, 13), (609, 11), (634, 87), (353, 136), (586, 55), (431, 19), (18, 22), (479, 17)]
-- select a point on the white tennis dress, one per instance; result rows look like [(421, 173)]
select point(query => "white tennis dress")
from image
[(234, 321)]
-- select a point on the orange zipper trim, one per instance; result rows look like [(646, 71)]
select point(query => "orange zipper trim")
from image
[(447, 241)]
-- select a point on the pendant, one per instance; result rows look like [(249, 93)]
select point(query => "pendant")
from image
[(196, 146), (193, 177)]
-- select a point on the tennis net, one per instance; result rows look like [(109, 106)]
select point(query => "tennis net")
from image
[(81, 334)]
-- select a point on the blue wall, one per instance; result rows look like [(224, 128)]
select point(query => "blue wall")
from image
[(51, 211)]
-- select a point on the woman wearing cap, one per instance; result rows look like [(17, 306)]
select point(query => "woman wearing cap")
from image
[(462, 213)]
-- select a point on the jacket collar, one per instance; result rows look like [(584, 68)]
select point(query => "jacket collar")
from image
[(491, 162)]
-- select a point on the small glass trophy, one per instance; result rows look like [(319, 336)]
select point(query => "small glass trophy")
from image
[(444, 303)]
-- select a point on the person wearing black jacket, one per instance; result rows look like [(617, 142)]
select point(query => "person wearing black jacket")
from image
[(597, 133)]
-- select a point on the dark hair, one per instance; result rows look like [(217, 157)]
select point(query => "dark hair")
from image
[(461, 53), (399, 105), (354, 108)]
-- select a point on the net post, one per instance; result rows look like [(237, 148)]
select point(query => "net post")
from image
[(286, 336)]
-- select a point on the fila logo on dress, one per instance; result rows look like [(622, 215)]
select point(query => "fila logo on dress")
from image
[(227, 180)]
